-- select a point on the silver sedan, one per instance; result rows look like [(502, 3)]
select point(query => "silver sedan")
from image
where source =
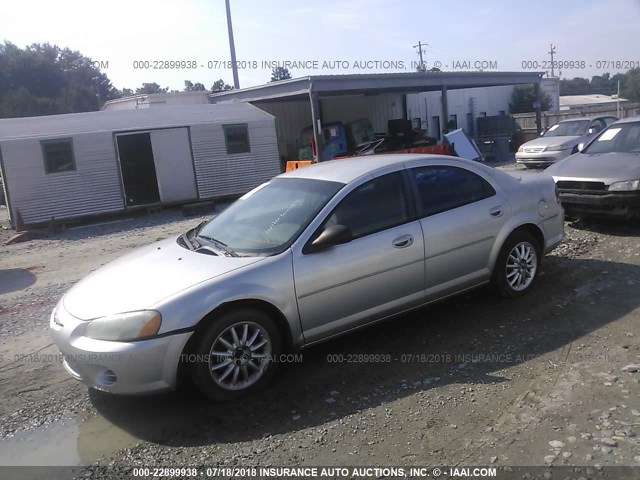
[(309, 255)]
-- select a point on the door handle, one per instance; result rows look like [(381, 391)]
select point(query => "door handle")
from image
[(403, 241), (496, 211)]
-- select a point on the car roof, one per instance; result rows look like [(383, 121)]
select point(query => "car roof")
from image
[(628, 120), (587, 118), (346, 170)]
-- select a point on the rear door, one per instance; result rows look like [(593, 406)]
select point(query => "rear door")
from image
[(378, 273), (461, 213)]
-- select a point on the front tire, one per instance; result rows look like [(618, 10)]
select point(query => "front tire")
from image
[(517, 266), (234, 355)]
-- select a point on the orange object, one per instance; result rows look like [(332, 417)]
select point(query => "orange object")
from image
[(295, 164)]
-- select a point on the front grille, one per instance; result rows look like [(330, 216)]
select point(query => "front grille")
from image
[(533, 149), (575, 185)]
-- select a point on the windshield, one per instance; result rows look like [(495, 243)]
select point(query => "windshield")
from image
[(573, 128), (624, 137), (269, 218)]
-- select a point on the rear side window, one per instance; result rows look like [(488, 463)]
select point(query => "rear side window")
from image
[(373, 206), (442, 188)]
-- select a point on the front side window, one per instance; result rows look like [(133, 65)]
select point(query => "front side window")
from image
[(597, 126), (58, 155), (443, 188), (373, 206), (236, 138)]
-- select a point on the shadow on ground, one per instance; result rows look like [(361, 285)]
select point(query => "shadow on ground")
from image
[(550, 317), (15, 279)]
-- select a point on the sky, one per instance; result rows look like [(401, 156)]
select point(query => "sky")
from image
[(131, 39)]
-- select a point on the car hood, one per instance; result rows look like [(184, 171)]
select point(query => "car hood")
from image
[(600, 167), (548, 141), (144, 277)]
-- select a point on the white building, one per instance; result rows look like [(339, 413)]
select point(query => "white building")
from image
[(581, 102), (85, 164)]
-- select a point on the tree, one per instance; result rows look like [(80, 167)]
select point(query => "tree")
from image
[(280, 73), (191, 87), (220, 85), (524, 96), (630, 87), (148, 88), (44, 79)]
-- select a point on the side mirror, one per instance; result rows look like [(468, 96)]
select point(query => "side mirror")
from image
[(330, 236)]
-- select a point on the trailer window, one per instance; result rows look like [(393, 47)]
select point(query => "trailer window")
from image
[(236, 138), (58, 155)]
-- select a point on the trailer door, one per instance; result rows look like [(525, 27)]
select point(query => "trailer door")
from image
[(174, 165)]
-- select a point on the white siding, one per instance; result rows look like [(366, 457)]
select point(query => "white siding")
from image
[(291, 118), (219, 174), (426, 105), (94, 187)]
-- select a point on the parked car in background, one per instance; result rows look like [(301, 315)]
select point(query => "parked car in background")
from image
[(309, 255), (603, 179), (561, 140)]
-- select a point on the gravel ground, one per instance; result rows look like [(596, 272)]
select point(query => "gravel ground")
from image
[(536, 381)]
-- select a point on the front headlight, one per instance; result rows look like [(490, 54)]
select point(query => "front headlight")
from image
[(625, 186), (125, 327), (521, 149), (557, 148)]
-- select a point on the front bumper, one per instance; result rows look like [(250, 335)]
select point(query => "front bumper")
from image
[(541, 159), (129, 368), (601, 204)]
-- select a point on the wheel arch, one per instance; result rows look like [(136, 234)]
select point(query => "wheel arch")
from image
[(261, 305), (531, 228)]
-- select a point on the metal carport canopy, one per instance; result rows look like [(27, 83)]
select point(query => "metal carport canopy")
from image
[(315, 87), (412, 82)]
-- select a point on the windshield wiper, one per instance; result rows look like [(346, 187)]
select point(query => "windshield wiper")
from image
[(220, 245)]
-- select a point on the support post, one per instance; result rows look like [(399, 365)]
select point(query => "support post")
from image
[(445, 109), (317, 124), (537, 105)]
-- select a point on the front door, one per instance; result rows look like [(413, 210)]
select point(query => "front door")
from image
[(378, 273)]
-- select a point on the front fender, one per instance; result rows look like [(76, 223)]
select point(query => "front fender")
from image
[(270, 280)]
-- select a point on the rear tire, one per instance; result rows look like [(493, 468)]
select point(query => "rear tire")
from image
[(517, 266), (234, 355)]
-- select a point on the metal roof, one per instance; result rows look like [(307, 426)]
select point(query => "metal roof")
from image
[(123, 120), (150, 97), (594, 99), (375, 83)]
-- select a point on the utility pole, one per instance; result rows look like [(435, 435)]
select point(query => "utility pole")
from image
[(234, 64), (552, 52), (97, 79), (419, 46)]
